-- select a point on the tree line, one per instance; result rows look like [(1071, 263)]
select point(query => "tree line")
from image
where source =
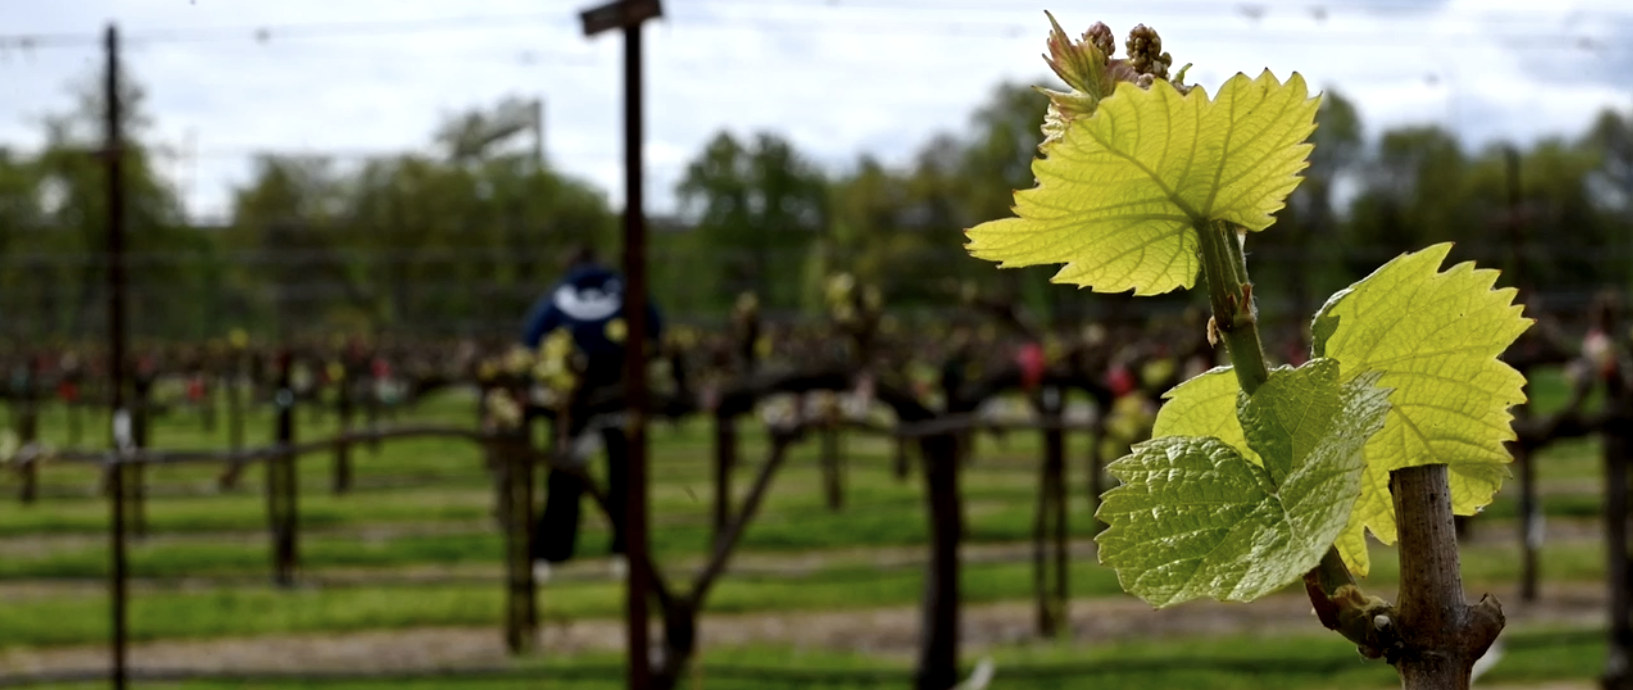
[(458, 239)]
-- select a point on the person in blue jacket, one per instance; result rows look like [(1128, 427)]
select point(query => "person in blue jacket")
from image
[(587, 302)]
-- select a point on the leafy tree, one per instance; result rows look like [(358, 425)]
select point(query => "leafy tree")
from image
[(1414, 191), (283, 233), (458, 245), (58, 205), (760, 208), (1611, 140), (1293, 260)]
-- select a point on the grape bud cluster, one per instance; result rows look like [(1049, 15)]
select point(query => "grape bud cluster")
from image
[(1145, 53), (1088, 68)]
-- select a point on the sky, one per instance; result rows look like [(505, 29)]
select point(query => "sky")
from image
[(228, 79)]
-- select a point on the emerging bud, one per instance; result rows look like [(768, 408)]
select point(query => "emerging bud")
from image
[(1100, 37), (1081, 64), (1145, 52), (1087, 67)]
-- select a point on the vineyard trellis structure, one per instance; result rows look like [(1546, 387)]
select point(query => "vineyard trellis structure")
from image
[(513, 457)]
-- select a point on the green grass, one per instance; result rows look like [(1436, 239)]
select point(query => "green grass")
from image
[(222, 536), (81, 617), (884, 514), (1281, 662)]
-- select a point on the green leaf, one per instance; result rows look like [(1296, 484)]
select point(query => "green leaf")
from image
[(1304, 423), (1193, 517), (1433, 337), (1120, 192), (1298, 414), (1205, 406)]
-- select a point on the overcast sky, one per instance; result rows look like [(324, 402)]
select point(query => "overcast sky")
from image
[(227, 78)]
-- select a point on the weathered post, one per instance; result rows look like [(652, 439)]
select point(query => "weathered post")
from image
[(342, 482), (141, 421), (1530, 522), (1049, 544), (113, 152), (28, 428), (938, 637), (628, 15), (511, 455), (281, 484), (1615, 447), (833, 469)]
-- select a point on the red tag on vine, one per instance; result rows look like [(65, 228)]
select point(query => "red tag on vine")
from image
[(1029, 358), (1120, 380)]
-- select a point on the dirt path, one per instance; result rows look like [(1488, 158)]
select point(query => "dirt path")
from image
[(889, 632)]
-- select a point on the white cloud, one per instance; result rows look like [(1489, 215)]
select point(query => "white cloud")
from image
[(839, 79)]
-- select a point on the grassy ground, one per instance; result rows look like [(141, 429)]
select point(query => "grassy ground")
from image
[(1302, 662), (442, 521), (79, 617)]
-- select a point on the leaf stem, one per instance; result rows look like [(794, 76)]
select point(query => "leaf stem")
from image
[(1231, 295), (1235, 317)]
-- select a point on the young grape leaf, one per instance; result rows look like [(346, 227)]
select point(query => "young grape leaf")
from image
[(1308, 435), (1120, 192), (1205, 406), (1433, 337), (1195, 518)]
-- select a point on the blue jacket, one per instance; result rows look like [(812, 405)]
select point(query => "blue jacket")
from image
[(584, 302)]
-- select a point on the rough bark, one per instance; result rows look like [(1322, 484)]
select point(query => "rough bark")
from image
[(1439, 636)]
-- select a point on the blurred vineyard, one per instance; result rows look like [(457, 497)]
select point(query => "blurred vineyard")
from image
[(401, 564), (874, 460)]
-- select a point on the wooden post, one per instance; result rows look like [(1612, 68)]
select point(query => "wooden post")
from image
[(343, 452), (1530, 524), (28, 429), (511, 455), (1615, 449), (725, 461), (833, 471), (117, 576), (1049, 526), (628, 15), (114, 158), (938, 638), (282, 486), (141, 420)]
